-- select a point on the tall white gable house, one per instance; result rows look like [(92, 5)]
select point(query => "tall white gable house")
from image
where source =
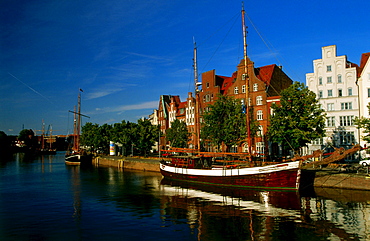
[(364, 90), (334, 80)]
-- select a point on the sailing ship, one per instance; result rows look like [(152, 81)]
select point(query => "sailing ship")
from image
[(76, 155), (44, 149), (237, 169)]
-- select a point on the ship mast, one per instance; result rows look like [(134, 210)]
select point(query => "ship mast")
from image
[(246, 77), (196, 84), (78, 121)]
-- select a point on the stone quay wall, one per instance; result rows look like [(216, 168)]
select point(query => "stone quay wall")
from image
[(135, 163)]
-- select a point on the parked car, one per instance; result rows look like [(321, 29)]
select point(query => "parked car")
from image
[(365, 162)]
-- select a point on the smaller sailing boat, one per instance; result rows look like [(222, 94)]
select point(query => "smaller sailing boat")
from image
[(76, 155), (44, 150)]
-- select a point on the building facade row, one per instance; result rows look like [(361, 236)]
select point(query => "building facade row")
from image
[(343, 90), (342, 87), (260, 86)]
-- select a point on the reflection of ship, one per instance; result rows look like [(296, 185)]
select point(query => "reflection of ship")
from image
[(230, 214), (77, 156), (272, 202), (221, 213)]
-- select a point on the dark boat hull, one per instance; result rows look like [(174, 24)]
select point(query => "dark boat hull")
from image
[(268, 177)]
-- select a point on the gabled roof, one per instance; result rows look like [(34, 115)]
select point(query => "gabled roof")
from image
[(264, 73), (226, 82), (363, 61), (176, 100), (182, 105)]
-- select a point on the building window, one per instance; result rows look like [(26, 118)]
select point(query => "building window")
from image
[(320, 93), (346, 138), (318, 141), (328, 68), (350, 91), (330, 107), (255, 87), (236, 91), (368, 92), (346, 106), (243, 88), (339, 78), (260, 147), (330, 93), (207, 84), (330, 121), (340, 92), (259, 115), (328, 79), (320, 80), (259, 100), (346, 120)]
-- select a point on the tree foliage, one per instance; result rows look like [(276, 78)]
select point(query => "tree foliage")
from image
[(224, 123), (27, 136), (298, 119), (364, 123), (178, 135), (146, 135), (141, 135)]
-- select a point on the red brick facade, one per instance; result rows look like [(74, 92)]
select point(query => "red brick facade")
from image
[(264, 84)]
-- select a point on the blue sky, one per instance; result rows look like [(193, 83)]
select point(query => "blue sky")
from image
[(125, 54)]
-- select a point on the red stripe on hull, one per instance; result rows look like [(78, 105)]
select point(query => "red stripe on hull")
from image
[(276, 180)]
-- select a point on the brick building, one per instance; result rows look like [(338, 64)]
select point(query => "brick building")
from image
[(264, 84)]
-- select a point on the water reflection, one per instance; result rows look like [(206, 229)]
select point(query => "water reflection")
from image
[(114, 204), (242, 214)]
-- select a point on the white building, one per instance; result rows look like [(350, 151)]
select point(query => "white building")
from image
[(334, 81), (364, 89)]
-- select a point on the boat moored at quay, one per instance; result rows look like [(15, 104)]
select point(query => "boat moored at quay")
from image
[(241, 174), (219, 169)]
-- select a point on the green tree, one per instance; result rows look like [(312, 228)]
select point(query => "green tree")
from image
[(145, 136), (27, 136), (224, 123), (123, 133), (364, 123), (95, 136), (178, 135), (298, 119)]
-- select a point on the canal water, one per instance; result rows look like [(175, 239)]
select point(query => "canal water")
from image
[(43, 199)]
